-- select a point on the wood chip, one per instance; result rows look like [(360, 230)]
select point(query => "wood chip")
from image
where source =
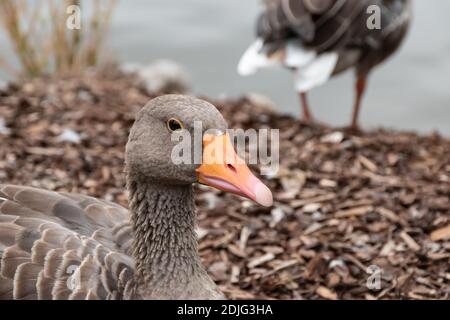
[(282, 266), (45, 151), (412, 244), (392, 181), (313, 228), (201, 233), (326, 293), (277, 216), (334, 137), (388, 214), (224, 240), (326, 183), (440, 234), (358, 211), (438, 256), (324, 198), (368, 164), (355, 260), (260, 260), (245, 234), (236, 251), (311, 207), (235, 272)]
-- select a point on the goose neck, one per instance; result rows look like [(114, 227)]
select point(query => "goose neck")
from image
[(165, 248)]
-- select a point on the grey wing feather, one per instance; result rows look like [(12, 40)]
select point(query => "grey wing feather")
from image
[(316, 23), (62, 246), (326, 25)]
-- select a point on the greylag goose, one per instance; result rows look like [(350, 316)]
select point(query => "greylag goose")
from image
[(318, 39), (71, 246)]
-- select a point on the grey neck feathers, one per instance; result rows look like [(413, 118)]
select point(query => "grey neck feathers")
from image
[(165, 246)]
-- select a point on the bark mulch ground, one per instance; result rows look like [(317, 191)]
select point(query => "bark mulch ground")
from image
[(346, 204)]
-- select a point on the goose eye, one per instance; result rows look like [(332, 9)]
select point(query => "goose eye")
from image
[(174, 125)]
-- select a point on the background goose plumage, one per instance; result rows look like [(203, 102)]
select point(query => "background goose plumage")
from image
[(71, 246), (321, 38)]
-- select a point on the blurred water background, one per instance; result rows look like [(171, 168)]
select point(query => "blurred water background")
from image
[(410, 91)]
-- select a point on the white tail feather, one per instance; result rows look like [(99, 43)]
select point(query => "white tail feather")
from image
[(316, 73), (297, 56), (311, 69), (255, 58)]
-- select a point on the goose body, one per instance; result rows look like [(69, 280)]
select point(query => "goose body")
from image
[(318, 39), (71, 246), (63, 246)]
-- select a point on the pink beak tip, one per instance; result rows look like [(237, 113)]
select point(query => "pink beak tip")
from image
[(263, 195)]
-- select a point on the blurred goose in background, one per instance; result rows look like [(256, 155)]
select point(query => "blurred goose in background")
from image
[(71, 246), (318, 39)]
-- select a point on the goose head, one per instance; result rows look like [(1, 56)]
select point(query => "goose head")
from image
[(154, 146)]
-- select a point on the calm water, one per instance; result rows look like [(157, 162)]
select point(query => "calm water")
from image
[(411, 91)]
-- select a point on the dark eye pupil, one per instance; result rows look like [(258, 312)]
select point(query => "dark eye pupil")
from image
[(174, 125)]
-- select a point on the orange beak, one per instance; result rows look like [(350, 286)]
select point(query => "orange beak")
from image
[(223, 169)]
